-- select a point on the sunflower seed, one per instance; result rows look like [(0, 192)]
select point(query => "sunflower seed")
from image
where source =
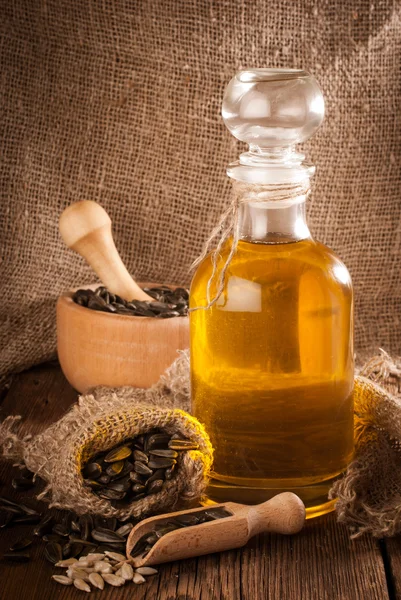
[(21, 544), (115, 555), (113, 579), (95, 556), (107, 535), (76, 573), (14, 510), (75, 526), (120, 486), (217, 513), (52, 537), (118, 454), (92, 470), (27, 519), (138, 488), (104, 479), (66, 563), (93, 484), (157, 462), (141, 456), (138, 578), (96, 580), (103, 567), (124, 530), (53, 552), (44, 526), (155, 486), (166, 453), (20, 557), (142, 469), (115, 468), (62, 579), (6, 519), (127, 468), (80, 584), (22, 507), (61, 530), (108, 494), (153, 537), (157, 440), (126, 572), (177, 444), (86, 565), (146, 571), (158, 474), (86, 524), (72, 549), (104, 548), (188, 519)]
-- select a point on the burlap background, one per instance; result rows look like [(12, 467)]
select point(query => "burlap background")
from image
[(119, 102)]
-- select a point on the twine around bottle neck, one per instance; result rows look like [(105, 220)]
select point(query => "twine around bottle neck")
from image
[(274, 193), (228, 225)]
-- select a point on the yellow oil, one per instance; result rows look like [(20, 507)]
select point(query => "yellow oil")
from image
[(272, 371)]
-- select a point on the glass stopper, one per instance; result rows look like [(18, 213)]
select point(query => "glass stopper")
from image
[(271, 109)]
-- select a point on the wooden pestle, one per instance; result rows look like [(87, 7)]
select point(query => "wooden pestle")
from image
[(284, 513), (86, 228)]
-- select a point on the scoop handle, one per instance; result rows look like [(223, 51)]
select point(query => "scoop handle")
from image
[(284, 513), (86, 228)]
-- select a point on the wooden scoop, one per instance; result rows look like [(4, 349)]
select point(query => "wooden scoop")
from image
[(285, 513), (86, 228)]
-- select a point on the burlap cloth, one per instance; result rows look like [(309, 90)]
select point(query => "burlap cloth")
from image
[(368, 496), (119, 102), (102, 420)]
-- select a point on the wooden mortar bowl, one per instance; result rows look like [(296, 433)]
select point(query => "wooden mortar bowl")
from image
[(97, 348)]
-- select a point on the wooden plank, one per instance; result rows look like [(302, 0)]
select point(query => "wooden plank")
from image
[(321, 563), (391, 547)]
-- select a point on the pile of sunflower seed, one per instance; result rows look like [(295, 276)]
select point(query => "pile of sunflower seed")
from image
[(66, 535), (149, 539), (167, 303), (137, 468), (98, 568), (91, 548)]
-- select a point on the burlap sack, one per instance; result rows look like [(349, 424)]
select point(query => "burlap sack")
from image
[(103, 420), (119, 102)]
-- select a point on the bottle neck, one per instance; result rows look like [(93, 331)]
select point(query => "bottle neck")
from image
[(275, 221)]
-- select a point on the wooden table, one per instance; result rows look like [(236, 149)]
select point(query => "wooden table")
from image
[(320, 563)]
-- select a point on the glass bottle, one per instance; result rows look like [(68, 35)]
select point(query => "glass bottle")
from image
[(272, 347)]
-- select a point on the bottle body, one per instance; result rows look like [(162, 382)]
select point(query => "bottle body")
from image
[(272, 368)]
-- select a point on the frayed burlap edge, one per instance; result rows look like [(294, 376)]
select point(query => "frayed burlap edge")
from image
[(369, 494)]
